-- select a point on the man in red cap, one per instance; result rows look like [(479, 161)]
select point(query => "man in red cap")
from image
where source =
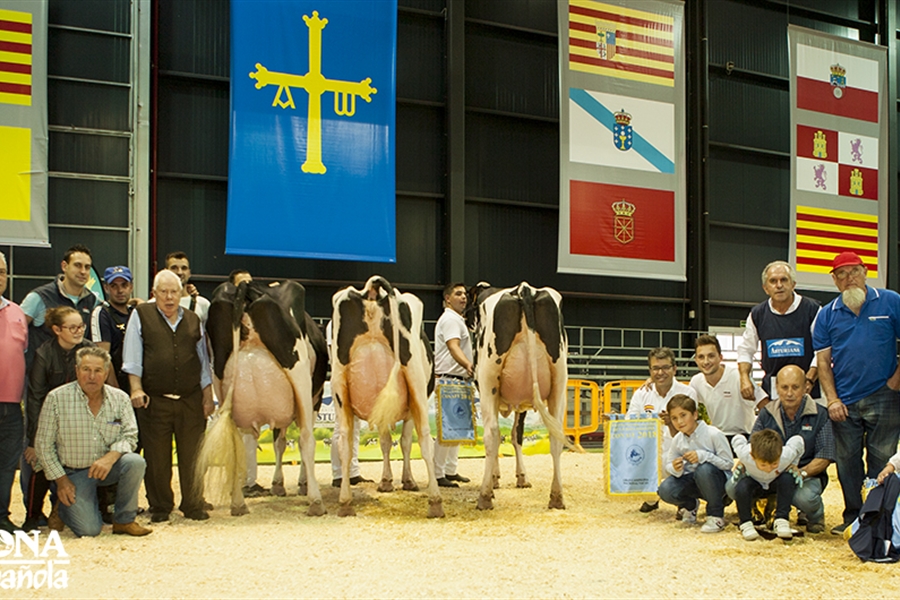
[(855, 338)]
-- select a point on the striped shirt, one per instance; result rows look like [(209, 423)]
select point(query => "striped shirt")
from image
[(69, 435)]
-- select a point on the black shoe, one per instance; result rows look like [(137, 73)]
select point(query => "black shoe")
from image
[(839, 529), (802, 519), (197, 515), (107, 517), (336, 482), (649, 506), (159, 517), (9, 527), (444, 482), (457, 477), (357, 479), (254, 491)]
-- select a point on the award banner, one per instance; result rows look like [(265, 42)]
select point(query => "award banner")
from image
[(633, 456), (23, 123), (455, 404), (622, 139), (311, 158), (839, 166)]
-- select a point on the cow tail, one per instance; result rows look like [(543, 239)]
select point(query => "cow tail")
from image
[(388, 410), (553, 426), (221, 458)]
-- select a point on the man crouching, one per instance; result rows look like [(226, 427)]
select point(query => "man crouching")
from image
[(86, 438)]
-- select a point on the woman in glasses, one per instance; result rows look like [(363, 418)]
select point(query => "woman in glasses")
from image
[(54, 365)]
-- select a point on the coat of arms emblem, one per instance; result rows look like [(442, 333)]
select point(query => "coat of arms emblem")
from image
[(623, 132), (838, 80), (606, 40), (623, 229)]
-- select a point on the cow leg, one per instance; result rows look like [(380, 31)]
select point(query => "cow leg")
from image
[(491, 447), (418, 408), (305, 417), (345, 422), (409, 484), (238, 504), (279, 445), (387, 476), (518, 433), (557, 408)]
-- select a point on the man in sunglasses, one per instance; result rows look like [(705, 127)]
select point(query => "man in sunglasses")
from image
[(855, 339)]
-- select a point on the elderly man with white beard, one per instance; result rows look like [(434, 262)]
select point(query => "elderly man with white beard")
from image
[(855, 338)]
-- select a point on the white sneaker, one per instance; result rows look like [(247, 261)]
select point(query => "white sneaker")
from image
[(689, 517), (783, 529), (713, 525), (749, 531)]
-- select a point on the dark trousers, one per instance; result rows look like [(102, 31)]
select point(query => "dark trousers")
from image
[(34, 497), (162, 419), (748, 489)]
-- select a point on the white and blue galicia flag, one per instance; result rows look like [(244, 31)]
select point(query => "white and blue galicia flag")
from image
[(633, 456), (620, 131), (311, 145)]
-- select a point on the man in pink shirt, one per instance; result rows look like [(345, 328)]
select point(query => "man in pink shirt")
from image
[(13, 343)]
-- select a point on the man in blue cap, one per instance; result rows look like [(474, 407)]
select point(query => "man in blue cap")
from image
[(109, 319), (855, 339)]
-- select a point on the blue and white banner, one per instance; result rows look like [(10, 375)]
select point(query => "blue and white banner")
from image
[(311, 156), (633, 464)]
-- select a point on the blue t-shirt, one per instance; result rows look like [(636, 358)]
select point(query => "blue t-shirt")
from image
[(864, 347)]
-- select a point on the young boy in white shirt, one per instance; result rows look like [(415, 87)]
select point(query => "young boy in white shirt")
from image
[(765, 461), (698, 462)]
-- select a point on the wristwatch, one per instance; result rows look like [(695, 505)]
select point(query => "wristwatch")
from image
[(804, 474)]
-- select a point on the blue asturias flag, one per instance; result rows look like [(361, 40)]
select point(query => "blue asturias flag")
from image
[(311, 145)]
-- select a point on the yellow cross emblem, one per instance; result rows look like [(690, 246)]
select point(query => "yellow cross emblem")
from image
[(315, 84)]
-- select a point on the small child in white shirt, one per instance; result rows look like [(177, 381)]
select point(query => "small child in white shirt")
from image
[(765, 461), (698, 462)]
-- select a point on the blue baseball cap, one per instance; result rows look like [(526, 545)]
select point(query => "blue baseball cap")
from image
[(120, 272)]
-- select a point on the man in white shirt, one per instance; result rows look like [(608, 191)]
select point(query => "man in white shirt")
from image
[(718, 388), (178, 263), (452, 360), (652, 398)]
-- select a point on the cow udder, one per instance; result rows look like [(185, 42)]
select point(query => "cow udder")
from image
[(262, 392), (370, 366), (516, 375)]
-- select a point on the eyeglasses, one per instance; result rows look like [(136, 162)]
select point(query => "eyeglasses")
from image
[(854, 272), (661, 369), (74, 328)]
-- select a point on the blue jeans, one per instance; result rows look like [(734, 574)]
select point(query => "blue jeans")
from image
[(83, 517), (872, 424), (809, 499), (12, 430), (707, 482), (748, 489)]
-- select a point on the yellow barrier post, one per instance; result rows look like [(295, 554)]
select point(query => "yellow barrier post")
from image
[(577, 429)]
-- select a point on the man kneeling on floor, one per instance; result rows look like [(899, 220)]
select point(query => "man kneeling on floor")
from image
[(86, 438), (698, 462)]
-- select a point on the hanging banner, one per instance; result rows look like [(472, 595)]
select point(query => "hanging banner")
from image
[(633, 456), (839, 142), (622, 139), (311, 156), (23, 123)]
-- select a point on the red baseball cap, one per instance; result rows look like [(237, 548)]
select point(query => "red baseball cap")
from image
[(846, 259)]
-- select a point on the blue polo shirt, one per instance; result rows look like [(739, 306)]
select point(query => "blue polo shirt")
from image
[(863, 348)]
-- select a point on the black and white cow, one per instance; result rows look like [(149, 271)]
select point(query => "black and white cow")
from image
[(269, 366), (520, 363), (382, 372)]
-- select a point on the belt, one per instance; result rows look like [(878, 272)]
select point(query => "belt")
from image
[(450, 376)]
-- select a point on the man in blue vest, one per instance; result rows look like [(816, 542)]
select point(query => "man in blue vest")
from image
[(783, 324), (855, 339)]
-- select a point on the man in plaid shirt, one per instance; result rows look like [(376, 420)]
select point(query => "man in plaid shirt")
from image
[(86, 438)]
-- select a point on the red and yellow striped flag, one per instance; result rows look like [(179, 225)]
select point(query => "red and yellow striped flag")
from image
[(822, 234), (15, 57), (621, 42)]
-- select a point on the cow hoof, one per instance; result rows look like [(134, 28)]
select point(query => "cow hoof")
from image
[(496, 482), (410, 486), (435, 509), (278, 489), (522, 482), (556, 501), (346, 510), (485, 503), (386, 485), (316, 509), (302, 489), (237, 511)]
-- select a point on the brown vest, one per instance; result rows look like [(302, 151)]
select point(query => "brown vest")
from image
[(171, 364)]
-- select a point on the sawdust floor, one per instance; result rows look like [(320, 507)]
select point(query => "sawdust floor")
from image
[(596, 548)]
